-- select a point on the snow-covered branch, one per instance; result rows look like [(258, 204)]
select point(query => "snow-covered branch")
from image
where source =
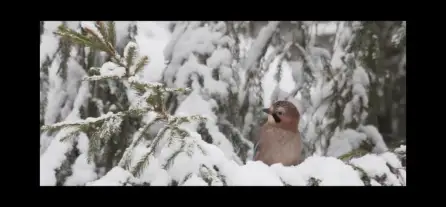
[(370, 170)]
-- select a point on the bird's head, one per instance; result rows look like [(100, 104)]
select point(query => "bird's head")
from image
[(283, 114)]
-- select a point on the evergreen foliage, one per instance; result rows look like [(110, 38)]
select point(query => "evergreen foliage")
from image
[(348, 93), (101, 130)]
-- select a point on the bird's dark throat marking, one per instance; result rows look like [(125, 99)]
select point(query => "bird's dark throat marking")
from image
[(276, 118)]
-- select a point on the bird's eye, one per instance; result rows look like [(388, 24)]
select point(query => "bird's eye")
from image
[(279, 113)]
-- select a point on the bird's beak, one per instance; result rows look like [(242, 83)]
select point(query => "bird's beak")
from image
[(266, 110)]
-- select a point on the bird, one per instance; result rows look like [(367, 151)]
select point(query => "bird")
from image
[(278, 140)]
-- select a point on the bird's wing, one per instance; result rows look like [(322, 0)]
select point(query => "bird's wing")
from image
[(256, 140)]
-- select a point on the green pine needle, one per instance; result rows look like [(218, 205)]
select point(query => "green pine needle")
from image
[(141, 165), (99, 42), (71, 135), (130, 56), (93, 149), (111, 33), (102, 29), (126, 159), (171, 159), (143, 61), (101, 77)]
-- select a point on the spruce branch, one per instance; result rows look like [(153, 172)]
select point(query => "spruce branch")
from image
[(138, 111), (94, 71), (93, 148), (171, 159), (209, 175), (73, 134), (76, 37), (126, 158), (111, 33), (189, 175), (307, 59), (95, 39), (140, 84), (143, 162), (108, 125), (102, 136), (130, 53), (82, 124), (365, 147), (102, 29), (172, 125), (101, 77), (100, 130), (143, 61), (362, 174), (99, 38), (190, 149)]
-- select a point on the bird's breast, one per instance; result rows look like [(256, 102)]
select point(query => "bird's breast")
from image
[(279, 146)]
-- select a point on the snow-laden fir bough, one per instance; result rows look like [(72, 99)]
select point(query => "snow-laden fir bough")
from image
[(100, 130), (189, 57)]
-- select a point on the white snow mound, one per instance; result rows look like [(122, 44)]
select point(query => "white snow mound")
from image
[(213, 168)]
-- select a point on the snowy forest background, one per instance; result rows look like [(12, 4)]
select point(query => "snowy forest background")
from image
[(175, 103)]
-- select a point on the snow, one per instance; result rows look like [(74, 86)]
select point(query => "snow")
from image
[(391, 159), (195, 181), (373, 182), (344, 142), (50, 41), (375, 166), (54, 155), (253, 174), (90, 25), (115, 177), (155, 175), (112, 69), (401, 149), (199, 161), (63, 95), (324, 28), (56, 94), (360, 83), (221, 56), (280, 90), (185, 169), (72, 84), (260, 43), (376, 138), (83, 172), (151, 38), (87, 120), (122, 31), (53, 158), (191, 66), (194, 104), (135, 47), (330, 171), (402, 173)]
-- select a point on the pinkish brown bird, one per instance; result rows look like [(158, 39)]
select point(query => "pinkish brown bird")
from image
[(278, 140)]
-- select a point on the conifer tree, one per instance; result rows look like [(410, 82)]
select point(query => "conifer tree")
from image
[(338, 122), (144, 131), (65, 97), (205, 56), (107, 143)]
